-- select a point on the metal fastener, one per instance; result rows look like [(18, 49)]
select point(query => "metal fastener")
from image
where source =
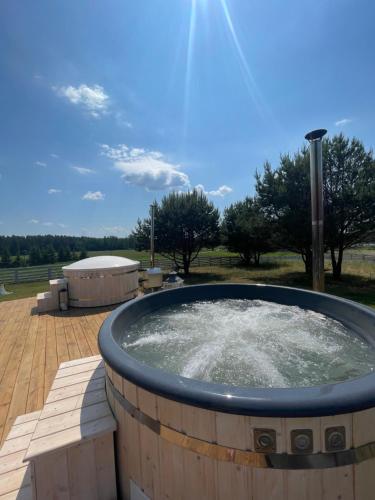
[(335, 438), (265, 440), (301, 441)]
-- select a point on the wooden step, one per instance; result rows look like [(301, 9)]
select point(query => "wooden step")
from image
[(15, 474), (72, 448)]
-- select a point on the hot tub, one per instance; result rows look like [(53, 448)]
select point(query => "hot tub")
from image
[(180, 437), (101, 281)]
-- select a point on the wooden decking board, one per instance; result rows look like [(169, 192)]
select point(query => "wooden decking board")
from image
[(72, 390), (32, 347), (72, 403), (73, 370), (71, 436)]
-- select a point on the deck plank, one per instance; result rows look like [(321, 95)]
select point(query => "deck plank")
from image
[(33, 346)]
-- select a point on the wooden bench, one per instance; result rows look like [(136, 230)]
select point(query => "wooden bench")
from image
[(68, 451), (15, 475)]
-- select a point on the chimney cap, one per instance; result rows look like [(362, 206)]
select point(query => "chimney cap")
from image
[(316, 135)]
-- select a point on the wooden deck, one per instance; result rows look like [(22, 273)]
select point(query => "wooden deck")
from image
[(31, 348)]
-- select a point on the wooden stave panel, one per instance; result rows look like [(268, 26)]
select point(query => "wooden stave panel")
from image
[(339, 482)]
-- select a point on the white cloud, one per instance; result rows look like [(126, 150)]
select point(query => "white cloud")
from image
[(33, 221), (54, 191), (344, 121), (221, 191), (148, 169), (47, 223), (40, 163), (53, 155), (93, 196), (93, 99), (62, 225), (83, 170)]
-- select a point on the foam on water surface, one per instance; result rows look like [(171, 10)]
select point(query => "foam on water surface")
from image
[(249, 343)]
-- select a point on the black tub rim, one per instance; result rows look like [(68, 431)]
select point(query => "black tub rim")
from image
[(330, 399)]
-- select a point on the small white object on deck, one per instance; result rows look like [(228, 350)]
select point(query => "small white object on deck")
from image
[(3, 291)]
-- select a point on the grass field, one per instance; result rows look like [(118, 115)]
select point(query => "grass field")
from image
[(358, 281)]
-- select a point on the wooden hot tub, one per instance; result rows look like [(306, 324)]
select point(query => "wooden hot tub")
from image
[(180, 438)]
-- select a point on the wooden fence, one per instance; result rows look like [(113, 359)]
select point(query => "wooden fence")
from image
[(47, 272)]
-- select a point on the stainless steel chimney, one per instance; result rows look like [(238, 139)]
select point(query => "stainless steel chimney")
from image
[(152, 236), (317, 207)]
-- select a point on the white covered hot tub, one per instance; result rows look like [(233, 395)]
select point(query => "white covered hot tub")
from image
[(101, 281)]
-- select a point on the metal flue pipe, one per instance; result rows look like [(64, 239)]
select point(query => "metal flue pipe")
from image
[(317, 207), (152, 236)]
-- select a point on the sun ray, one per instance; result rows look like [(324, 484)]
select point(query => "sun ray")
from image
[(249, 80), (189, 59)]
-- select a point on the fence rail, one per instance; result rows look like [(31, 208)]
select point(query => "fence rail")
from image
[(44, 273)]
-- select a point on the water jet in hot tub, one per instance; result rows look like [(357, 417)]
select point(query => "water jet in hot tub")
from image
[(228, 391)]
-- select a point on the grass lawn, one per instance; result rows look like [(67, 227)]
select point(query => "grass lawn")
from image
[(23, 290), (355, 284), (358, 280), (134, 254)]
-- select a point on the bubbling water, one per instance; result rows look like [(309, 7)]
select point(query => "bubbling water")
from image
[(249, 343)]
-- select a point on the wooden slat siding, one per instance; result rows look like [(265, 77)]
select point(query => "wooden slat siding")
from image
[(304, 484), (31, 348), (15, 476), (233, 431), (77, 462), (171, 456), (131, 435), (51, 476), (81, 466), (149, 444), (269, 483), (233, 480), (364, 473), (105, 467), (339, 483)]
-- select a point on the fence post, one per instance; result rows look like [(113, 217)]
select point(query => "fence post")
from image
[(49, 272), (16, 275)]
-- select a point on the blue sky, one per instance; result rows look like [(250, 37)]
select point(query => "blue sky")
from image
[(106, 106)]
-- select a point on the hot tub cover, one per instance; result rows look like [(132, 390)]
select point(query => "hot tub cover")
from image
[(102, 262)]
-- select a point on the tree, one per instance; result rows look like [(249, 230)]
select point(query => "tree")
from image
[(349, 196), (184, 224), (48, 255), (5, 258), (83, 255), (35, 256), (349, 199), (284, 195), (246, 231)]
